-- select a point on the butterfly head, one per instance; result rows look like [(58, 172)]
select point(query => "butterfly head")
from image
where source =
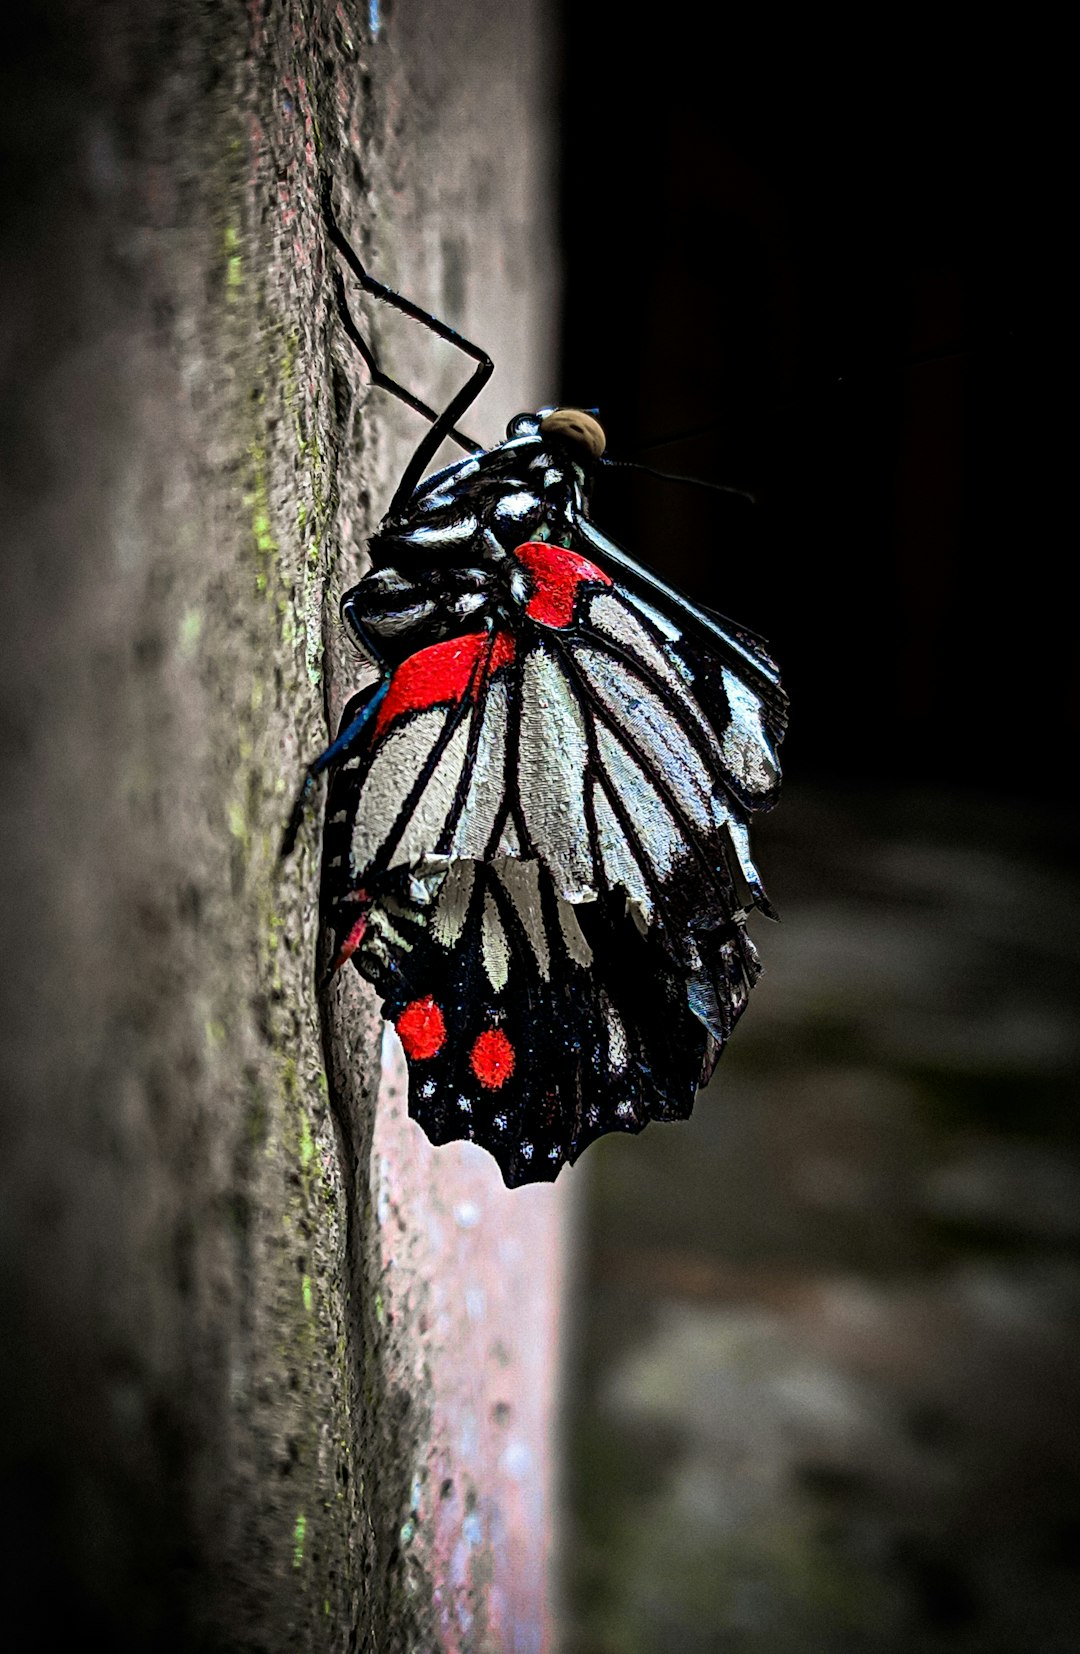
[(577, 431)]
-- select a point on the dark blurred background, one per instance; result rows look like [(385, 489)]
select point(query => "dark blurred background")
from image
[(825, 1384), (842, 258)]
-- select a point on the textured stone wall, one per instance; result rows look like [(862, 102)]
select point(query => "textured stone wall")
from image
[(259, 1390)]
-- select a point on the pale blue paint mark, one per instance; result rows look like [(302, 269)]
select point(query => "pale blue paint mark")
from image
[(374, 20), (527, 1639), (517, 1460), (464, 1614), (467, 1437)]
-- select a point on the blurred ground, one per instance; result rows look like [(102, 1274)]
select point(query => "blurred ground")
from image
[(826, 1385)]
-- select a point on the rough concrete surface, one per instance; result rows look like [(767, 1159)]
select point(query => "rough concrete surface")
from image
[(215, 1434)]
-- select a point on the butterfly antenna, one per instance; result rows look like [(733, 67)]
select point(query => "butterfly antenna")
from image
[(674, 476)]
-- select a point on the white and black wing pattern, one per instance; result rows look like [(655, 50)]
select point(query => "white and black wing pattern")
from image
[(591, 736), (658, 752), (531, 1026), (734, 678), (596, 743)]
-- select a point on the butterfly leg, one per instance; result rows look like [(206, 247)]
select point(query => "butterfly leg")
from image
[(382, 381), (358, 714), (336, 753), (443, 424)]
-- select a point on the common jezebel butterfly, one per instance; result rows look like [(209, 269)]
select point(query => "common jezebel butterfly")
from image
[(537, 844)]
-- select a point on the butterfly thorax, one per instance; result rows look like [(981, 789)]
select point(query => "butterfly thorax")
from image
[(447, 561)]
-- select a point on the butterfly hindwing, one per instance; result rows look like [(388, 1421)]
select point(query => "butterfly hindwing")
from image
[(532, 1027)]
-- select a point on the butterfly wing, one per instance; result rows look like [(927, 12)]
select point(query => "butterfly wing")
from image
[(531, 1026), (664, 749), (710, 646), (600, 745)]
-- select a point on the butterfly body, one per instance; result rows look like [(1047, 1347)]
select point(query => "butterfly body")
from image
[(447, 559), (537, 833)]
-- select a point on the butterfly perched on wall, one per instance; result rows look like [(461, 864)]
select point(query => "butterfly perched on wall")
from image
[(536, 843)]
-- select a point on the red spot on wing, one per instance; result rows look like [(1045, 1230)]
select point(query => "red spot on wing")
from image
[(557, 573), (442, 675), (492, 1058), (421, 1029), (351, 942)]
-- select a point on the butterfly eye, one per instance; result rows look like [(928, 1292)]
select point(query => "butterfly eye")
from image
[(577, 429)]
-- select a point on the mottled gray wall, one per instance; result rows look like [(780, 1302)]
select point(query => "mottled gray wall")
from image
[(192, 1372)]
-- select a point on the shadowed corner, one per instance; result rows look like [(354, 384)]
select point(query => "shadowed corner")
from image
[(827, 1348)]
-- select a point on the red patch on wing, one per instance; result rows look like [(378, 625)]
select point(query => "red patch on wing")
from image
[(351, 942), (442, 675), (492, 1058), (421, 1029), (557, 573)]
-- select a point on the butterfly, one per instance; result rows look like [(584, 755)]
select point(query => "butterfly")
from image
[(537, 822)]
